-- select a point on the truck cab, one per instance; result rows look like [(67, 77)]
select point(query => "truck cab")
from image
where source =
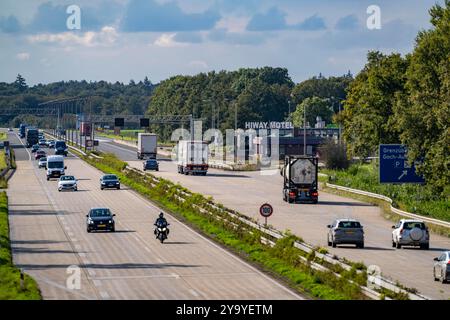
[(55, 167), (300, 175)]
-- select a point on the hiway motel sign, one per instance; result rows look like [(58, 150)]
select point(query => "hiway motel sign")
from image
[(394, 166)]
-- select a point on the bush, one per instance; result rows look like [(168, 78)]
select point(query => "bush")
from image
[(334, 155)]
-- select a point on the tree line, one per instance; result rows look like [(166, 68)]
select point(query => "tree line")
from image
[(397, 99)]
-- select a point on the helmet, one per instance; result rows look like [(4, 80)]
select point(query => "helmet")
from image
[(161, 215)]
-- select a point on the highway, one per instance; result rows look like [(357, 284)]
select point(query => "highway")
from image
[(48, 234), (246, 191)]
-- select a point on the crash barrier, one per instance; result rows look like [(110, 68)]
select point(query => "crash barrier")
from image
[(375, 279), (390, 201)]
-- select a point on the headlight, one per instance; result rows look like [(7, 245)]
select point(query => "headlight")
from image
[(164, 229), (110, 221), (90, 221), (117, 182), (103, 182)]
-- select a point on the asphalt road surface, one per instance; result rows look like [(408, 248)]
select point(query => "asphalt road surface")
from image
[(246, 191), (48, 235)]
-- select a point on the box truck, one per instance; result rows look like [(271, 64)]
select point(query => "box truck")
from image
[(300, 175), (147, 145), (193, 157)]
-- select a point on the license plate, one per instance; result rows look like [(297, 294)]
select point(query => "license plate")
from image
[(349, 232), (101, 225)]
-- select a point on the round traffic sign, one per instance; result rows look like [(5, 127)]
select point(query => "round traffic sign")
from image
[(266, 210)]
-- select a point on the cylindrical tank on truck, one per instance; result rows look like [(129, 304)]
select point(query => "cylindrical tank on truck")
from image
[(300, 175)]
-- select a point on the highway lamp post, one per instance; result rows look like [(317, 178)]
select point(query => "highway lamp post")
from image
[(304, 130)]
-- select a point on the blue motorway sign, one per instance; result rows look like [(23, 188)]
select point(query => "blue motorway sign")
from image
[(394, 166)]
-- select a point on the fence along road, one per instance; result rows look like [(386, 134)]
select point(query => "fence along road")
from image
[(246, 191), (48, 234)]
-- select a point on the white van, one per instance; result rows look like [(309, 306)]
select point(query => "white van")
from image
[(55, 167)]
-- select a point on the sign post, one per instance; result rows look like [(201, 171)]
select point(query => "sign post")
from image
[(266, 210), (394, 166)]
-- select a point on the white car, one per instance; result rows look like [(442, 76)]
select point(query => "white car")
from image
[(67, 183), (410, 233)]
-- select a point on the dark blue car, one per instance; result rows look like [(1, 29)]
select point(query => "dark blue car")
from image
[(109, 181), (151, 164)]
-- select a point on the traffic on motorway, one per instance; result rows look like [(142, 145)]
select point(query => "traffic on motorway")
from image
[(300, 176)]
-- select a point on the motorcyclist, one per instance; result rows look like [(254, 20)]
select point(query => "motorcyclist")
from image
[(160, 222)]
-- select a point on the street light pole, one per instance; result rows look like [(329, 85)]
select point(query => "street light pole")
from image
[(304, 131), (340, 128)]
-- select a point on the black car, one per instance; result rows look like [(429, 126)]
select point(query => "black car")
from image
[(100, 219), (109, 181), (35, 148), (151, 164)]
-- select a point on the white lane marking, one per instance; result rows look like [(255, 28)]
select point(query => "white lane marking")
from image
[(176, 276), (82, 254), (147, 249), (74, 239), (64, 288), (104, 294), (26, 149)]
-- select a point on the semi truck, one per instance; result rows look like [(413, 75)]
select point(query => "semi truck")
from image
[(192, 157), (22, 130), (300, 175), (32, 136), (147, 145)]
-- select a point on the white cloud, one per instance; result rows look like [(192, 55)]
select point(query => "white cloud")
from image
[(23, 56), (107, 36), (168, 41), (233, 24)]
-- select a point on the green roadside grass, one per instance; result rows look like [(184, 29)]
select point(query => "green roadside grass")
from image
[(281, 261), (412, 198), (10, 288)]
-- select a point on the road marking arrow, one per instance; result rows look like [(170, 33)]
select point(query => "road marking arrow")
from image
[(404, 174)]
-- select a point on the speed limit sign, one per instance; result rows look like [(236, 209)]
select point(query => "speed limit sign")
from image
[(266, 211)]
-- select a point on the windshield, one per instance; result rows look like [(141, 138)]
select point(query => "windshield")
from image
[(60, 144), (412, 225), (100, 213), (349, 224), (151, 161), (55, 164), (43, 159), (110, 177), (67, 178)]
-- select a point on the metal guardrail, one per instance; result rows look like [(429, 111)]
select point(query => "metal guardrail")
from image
[(390, 201), (378, 280)]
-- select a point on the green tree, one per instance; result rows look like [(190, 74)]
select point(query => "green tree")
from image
[(423, 114), (368, 115), (315, 107), (20, 83)]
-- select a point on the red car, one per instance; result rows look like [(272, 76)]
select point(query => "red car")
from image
[(39, 154)]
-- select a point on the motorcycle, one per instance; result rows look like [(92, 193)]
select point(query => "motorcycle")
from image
[(161, 232)]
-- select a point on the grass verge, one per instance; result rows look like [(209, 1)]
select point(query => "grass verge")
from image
[(412, 198), (10, 287), (282, 260)]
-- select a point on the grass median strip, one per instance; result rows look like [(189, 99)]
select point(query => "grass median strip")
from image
[(10, 284), (282, 260)]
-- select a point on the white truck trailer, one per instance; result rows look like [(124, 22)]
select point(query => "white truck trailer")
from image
[(147, 145), (193, 157)]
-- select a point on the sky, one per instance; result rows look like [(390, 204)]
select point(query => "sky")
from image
[(120, 40)]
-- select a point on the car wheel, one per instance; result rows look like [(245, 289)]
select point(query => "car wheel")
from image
[(118, 188), (88, 230), (398, 245), (434, 275), (424, 246), (443, 280), (113, 229), (360, 245), (328, 242), (333, 244), (393, 244), (59, 190), (101, 188), (48, 178)]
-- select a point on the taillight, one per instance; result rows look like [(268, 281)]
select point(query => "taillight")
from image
[(315, 194), (401, 231), (292, 194)]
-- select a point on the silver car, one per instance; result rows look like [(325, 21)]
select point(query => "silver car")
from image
[(441, 269), (345, 231), (42, 162), (410, 233)]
